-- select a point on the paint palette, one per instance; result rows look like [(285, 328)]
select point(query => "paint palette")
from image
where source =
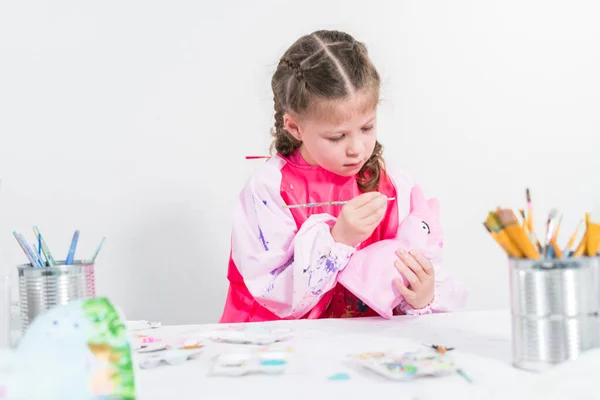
[(172, 354), (152, 347), (142, 325), (250, 335), (171, 357), (408, 366), (270, 362), (143, 343)]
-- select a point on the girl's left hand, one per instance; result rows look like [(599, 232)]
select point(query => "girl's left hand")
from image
[(420, 275)]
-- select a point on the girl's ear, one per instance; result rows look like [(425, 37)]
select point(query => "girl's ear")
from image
[(291, 125)]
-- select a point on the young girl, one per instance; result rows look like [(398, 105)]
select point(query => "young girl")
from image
[(285, 261)]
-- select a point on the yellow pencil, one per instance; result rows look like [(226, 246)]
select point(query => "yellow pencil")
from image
[(555, 235), (529, 231), (573, 237), (557, 251), (593, 236), (581, 247)]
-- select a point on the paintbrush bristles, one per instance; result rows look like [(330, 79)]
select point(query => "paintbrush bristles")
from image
[(496, 230), (492, 223), (507, 217), (516, 233)]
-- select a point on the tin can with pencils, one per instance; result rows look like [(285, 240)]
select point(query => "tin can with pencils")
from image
[(41, 289), (555, 308)]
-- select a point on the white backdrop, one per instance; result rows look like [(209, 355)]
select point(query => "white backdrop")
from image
[(132, 120)]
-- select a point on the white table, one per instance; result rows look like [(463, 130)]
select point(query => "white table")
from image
[(483, 349)]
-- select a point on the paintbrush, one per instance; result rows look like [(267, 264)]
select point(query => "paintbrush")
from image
[(532, 236), (567, 252), (551, 224), (581, 246), (325, 204), (517, 234), (529, 210), (522, 212), (496, 230), (554, 242), (442, 350), (555, 234)]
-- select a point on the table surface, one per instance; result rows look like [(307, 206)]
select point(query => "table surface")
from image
[(482, 342)]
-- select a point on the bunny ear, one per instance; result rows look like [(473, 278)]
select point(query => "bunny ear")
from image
[(434, 206), (417, 198)]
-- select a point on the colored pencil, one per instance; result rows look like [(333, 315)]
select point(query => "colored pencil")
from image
[(97, 250), (31, 256), (45, 249), (72, 248)]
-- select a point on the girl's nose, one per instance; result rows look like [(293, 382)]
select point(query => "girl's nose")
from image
[(355, 148)]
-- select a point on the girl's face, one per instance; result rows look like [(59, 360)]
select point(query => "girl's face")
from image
[(338, 135)]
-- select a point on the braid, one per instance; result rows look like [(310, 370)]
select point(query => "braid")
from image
[(283, 142), (296, 68), (369, 175)]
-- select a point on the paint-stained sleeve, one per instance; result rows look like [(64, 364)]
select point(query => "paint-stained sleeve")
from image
[(287, 270)]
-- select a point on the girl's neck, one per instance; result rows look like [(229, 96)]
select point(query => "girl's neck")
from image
[(306, 156), (300, 157)]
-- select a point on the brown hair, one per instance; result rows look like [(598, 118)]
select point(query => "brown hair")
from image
[(325, 65)]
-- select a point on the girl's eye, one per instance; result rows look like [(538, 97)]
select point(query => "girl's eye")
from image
[(367, 128), (425, 227), (336, 139)]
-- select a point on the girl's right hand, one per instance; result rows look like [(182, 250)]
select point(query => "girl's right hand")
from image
[(359, 218)]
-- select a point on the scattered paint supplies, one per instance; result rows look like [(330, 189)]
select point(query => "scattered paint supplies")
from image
[(250, 335), (152, 355), (39, 254), (342, 376), (238, 363), (146, 344), (142, 325), (519, 240), (411, 365)]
